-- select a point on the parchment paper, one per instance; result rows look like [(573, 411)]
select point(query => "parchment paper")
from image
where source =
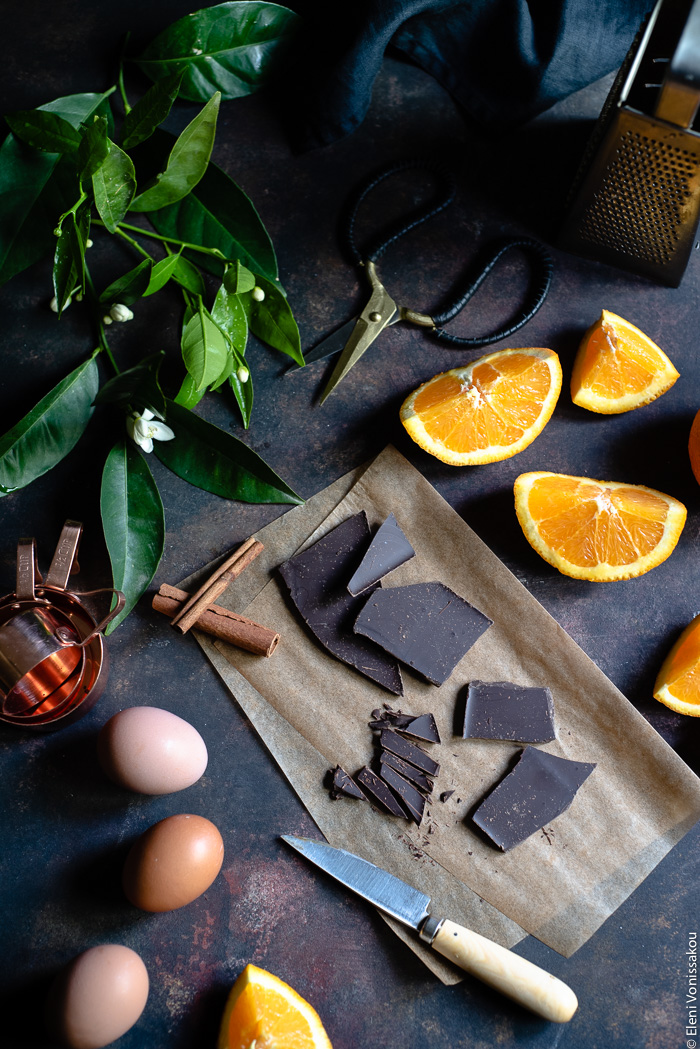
[(562, 883)]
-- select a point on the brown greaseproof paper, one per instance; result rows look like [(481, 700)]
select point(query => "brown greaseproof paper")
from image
[(312, 712)]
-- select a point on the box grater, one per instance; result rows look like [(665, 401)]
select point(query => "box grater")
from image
[(635, 201)]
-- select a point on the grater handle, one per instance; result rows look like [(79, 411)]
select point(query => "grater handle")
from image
[(680, 92)]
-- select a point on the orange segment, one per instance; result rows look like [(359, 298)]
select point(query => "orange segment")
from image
[(618, 368), (488, 410), (678, 682), (263, 1012), (597, 530)]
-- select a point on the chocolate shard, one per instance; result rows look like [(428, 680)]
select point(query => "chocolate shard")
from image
[(344, 785), (376, 790), (413, 800), (422, 727), (425, 625), (403, 748), (389, 549), (502, 710), (539, 788), (417, 778), (446, 795), (316, 580)]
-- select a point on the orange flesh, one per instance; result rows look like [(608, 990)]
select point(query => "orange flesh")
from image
[(256, 1005), (682, 673), (614, 365), (590, 524), (494, 407)]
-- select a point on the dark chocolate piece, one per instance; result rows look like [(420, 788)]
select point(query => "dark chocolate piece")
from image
[(540, 788), (446, 795), (316, 580), (417, 778), (389, 549), (425, 625), (501, 710), (414, 801), (411, 753), (377, 790), (421, 726), (344, 785)]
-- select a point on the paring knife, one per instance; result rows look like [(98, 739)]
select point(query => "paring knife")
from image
[(514, 976)]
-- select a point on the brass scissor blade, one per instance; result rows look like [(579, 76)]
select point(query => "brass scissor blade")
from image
[(376, 315)]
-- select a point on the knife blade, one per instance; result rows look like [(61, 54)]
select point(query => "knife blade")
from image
[(500, 968)]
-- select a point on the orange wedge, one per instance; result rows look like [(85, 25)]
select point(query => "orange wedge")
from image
[(486, 411), (597, 530), (678, 681), (618, 368), (262, 1012), (694, 447)]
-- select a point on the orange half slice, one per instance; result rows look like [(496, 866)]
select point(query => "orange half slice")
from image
[(265, 1013)]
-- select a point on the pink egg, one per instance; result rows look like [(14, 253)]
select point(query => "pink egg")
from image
[(97, 997), (151, 751)]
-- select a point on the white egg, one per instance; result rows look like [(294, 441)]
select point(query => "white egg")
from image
[(152, 751)]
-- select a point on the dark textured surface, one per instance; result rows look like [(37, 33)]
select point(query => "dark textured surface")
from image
[(66, 829)]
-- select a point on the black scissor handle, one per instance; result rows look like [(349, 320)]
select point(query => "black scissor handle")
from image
[(442, 198), (541, 266)]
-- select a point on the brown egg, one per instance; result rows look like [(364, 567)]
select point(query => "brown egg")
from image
[(173, 863), (97, 997)]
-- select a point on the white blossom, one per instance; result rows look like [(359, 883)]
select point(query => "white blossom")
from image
[(121, 313), (258, 294), (243, 374), (144, 429)]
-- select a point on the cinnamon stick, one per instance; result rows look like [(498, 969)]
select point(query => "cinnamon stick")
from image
[(220, 622), (215, 585)]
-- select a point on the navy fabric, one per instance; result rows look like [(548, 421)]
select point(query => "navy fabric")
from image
[(503, 61)]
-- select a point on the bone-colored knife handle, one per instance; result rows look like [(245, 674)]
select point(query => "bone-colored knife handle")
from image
[(508, 973)]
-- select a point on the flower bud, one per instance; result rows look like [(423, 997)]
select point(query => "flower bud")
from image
[(53, 305), (243, 374), (88, 243), (107, 319), (258, 294), (121, 313)]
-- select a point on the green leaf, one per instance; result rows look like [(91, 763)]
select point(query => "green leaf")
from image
[(204, 349), (187, 162), (238, 278), (188, 395), (229, 314), (136, 388), (218, 214), (272, 320), (150, 111), (130, 287), (94, 148), (49, 431), (114, 185), (188, 276), (37, 187), (218, 462), (161, 274), (133, 523), (232, 47), (243, 392), (69, 257), (46, 131)]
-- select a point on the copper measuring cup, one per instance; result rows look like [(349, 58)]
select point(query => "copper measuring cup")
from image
[(47, 650)]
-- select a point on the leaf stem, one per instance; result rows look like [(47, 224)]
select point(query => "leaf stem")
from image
[(134, 243), (102, 338), (120, 77), (170, 240)]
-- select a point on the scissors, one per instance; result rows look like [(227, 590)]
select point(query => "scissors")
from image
[(358, 334)]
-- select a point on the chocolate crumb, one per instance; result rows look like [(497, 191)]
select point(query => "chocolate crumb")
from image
[(446, 794)]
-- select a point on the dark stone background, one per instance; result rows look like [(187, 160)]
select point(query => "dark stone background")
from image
[(66, 829)]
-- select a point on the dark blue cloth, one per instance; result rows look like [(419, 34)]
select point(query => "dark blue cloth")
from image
[(503, 61)]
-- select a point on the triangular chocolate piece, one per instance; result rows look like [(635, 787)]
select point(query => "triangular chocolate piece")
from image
[(389, 549), (344, 784), (425, 625), (417, 778), (539, 788), (411, 753), (377, 791), (422, 727), (316, 579), (414, 801)]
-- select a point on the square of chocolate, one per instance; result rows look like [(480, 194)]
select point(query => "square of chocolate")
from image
[(502, 710)]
